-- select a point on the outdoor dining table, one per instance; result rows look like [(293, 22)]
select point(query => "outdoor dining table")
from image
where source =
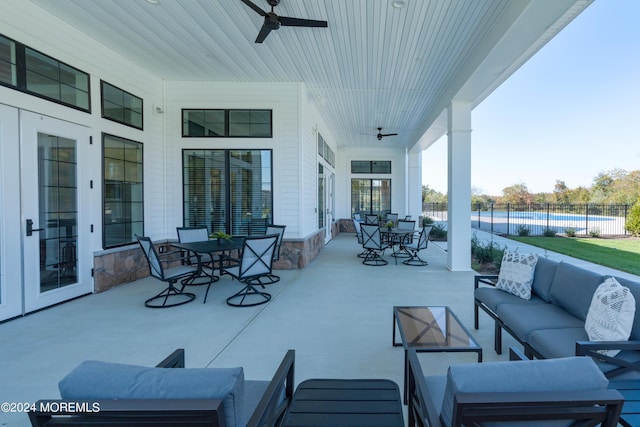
[(211, 247), (391, 234)]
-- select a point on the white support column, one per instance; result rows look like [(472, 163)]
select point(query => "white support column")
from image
[(414, 185), (459, 186)]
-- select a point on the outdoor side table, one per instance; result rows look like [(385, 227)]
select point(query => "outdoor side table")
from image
[(345, 403), (431, 330)]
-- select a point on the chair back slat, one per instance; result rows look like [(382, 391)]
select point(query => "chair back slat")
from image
[(155, 266), (257, 256), (406, 225), (192, 234)]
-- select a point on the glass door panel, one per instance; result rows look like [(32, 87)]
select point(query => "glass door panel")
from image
[(56, 268)]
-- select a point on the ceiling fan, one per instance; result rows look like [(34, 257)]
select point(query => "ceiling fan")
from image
[(381, 135), (273, 21)]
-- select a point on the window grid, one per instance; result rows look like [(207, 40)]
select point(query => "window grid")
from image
[(227, 123), (121, 106), (123, 201)]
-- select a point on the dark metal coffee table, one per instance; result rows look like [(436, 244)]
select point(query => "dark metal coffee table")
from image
[(431, 330)]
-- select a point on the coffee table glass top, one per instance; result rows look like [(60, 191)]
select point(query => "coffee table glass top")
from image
[(435, 328)]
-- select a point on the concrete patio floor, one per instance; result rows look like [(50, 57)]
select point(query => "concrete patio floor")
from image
[(336, 313)]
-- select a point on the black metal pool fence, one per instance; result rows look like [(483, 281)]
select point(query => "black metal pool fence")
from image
[(540, 219)]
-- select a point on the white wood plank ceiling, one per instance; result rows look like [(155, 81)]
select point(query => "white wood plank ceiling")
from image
[(374, 66)]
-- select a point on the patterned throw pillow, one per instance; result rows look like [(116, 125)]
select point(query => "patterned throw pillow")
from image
[(516, 273), (611, 314)]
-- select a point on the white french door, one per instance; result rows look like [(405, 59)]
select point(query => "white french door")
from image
[(329, 187), (55, 208), (10, 254)]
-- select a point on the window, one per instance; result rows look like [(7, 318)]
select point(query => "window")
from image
[(370, 166), (227, 190), (371, 196), (30, 71), (121, 106), (123, 209), (56, 81), (227, 123), (8, 72), (326, 152)]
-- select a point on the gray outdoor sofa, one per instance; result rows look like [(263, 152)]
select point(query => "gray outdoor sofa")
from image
[(552, 323), (100, 393)]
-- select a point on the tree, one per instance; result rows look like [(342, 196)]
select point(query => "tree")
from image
[(432, 196), (561, 192), (633, 220), (517, 194)]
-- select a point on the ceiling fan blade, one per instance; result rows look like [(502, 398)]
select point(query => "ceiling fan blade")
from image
[(264, 32), (388, 134), (254, 7), (299, 22)]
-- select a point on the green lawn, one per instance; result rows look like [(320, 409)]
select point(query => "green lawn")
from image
[(620, 254)]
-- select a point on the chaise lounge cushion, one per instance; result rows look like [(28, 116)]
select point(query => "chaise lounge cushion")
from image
[(101, 380), (565, 374), (573, 287)]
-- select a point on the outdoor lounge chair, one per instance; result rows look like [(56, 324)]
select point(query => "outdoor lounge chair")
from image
[(256, 261), (508, 393), (135, 396), (171, 296), (372, 243), (414, 247)]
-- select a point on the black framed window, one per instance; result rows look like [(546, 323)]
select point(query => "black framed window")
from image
[(8, 68), (227, 190), (123, 202), (121, 106), (371, 196), (227, 123), (371, 166), (29, 71)]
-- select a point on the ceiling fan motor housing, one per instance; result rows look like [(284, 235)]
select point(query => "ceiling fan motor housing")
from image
[(273, 3)]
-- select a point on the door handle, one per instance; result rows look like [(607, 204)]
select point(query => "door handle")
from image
[(30, 228)]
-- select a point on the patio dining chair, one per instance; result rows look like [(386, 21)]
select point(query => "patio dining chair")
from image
[(372, 243), (272, 278), (358, 226), (371, 219), (198, 234), (256, 261), (171, 296), (414, 248)]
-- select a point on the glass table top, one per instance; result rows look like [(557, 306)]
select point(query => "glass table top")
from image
[(435, 328)]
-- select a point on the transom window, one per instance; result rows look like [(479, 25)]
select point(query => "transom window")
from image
[(121, 106), (123, 207), (370, 166), (227, 123), (33, 72)]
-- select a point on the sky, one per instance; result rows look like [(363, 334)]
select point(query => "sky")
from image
[(569, 113)]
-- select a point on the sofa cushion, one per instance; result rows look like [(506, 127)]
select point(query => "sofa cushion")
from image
[(564, 374), (556, 342), (634, 287), (611, 314), (573, 287), (543, 278), (521, 319), (492, 298), (101, 380), (516, 273)]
